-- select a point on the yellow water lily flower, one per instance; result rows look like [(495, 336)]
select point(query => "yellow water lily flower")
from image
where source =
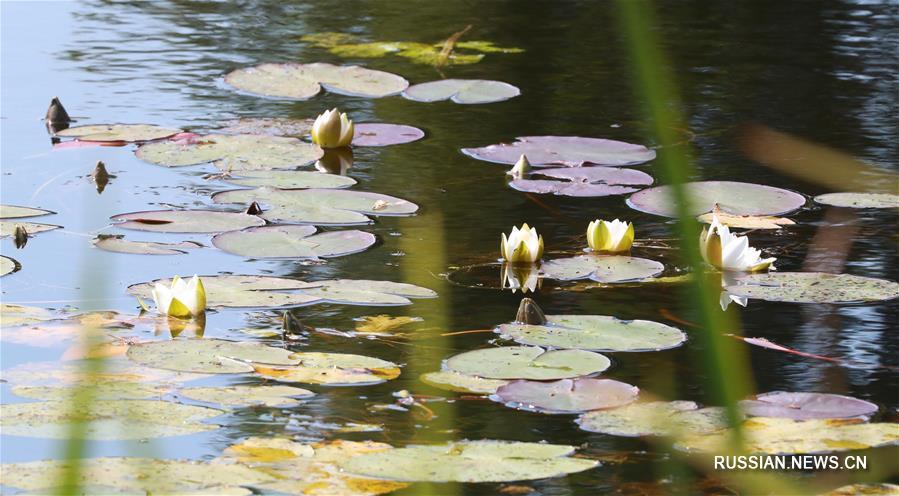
[(332, 130), (611, 237), (182, 300), (522, 246), (727, 251)]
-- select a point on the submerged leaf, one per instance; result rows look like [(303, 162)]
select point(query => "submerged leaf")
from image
[(303, 81), (569, 151), (382, 324)]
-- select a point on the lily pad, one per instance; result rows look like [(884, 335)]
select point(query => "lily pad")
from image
[(304, 81), (773, 435), (466, 91), (292, 242), (804, 406), (332, 369), (16, 212), (120, 245), (119, 132), (115, 390), (568, 151), (186, 221), (8, 265), (813, 287), (584, 181), (526, 362), (859, 200), (470, 461), (271, 126), (56, 373), (242, 396), (16, 315), (601, 268), (291, 179), (8, 228), (106, 419), (319, 206), (731, 197), (461, 383), (655, 418), (566, 395), (207, 356), (382, 134), (595, 332), (239, 152)]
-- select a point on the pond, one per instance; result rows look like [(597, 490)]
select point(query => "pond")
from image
[(824, 72)]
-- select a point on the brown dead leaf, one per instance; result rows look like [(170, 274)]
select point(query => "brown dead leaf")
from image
[(382, 324), (745, 221)]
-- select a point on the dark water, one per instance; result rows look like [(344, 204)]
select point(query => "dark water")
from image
[(825, 71)]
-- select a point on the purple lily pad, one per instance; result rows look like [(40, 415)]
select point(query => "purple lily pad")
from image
[(732, 197), (566, 395), (584, 181), (805, 406), (569, 151), (381, 134)]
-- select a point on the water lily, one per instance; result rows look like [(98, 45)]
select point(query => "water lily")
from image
[(332, 130), (612, 237), (522, 167), (523, 277), (727, 251), (182, 300), (522, 246)]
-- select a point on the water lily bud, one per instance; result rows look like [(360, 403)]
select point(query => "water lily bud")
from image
[(522, 246), (254, 209), (100, 177), (20, 236), (522, 167), (610, 237), (530, 313), (727, 251), (292, 327), (332, 130), (182, 300), (56, 113)]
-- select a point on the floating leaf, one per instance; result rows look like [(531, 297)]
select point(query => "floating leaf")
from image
[(319, 206), (746, 221), (303, 81), (655, 418), (8, 228), (333, 369), (16, 315), (380, 134), (601, 268), (271, 126), (186, 221), (106, 419), (240, 152), (57, 373), (466, 91), (813, 287), (470, 461), (382, 324), (8, 266), (118, 244), (569, 151), (566, 396), (119, 132), (786, 436), (859, 200), (584, 181), (241, 396), (461, 383), (118, 390), (292, 242), (207, 356), (291, 179), (16, 212), (804, 406), (595, 332), (526, 362), (731, 197)]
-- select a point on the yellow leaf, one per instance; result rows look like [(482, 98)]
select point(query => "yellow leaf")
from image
[(382, 324)]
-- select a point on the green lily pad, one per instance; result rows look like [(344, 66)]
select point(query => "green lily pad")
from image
[(291, 179), (813, 287), (271, 126), (526, 362), (389, 287), (319, 206), (601, 268), (16, 315), (241, 396), (304, 81), (118, 244), (186, 221), (333, 369), (207, 356), (121, 475), (16, 212), (107, 419), (119, 132), (466, 91), (118, 390), (566, 396), (292, 242), (655, 418), (595, 332), (8, 265), (8, 228), (859, 200), (239, 152), (470, 461), (461, 383), (731, 197)]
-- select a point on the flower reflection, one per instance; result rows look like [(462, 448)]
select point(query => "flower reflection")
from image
[(520, 277)]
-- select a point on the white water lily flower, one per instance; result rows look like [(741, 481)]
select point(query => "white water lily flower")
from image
[(522, 246), (182, 300), (727, 251), (332, 130), (611, 237), (520, 277), (522, 167)]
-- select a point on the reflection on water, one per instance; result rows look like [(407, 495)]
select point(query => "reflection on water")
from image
[(825, 72)]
